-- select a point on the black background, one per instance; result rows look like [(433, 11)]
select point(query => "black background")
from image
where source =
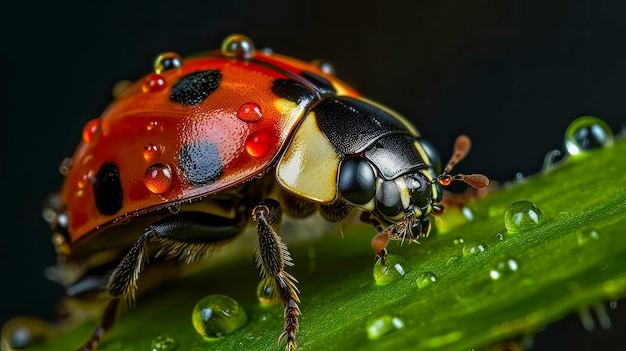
[(511, 74)]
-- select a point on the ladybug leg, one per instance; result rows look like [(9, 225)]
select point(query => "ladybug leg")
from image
[(122, 283), (272, 257), (188, 236)]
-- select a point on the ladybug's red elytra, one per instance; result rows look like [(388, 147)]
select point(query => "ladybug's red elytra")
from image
[(193, 152)]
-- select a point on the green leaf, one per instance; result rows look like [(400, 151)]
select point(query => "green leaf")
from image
[(574, 259)]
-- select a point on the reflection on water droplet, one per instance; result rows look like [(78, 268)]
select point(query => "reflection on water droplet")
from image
[(503, 267), (24, 332), (258, 144), (250, 112), (151, 152), (158, 178), (266, 293), (91, 130), (586, 133), (324, 66), (379, 326), (167, 61), (238, 46), (153, 83), (467, 213), (426, 279), (458, 240), (393, 269), (474, 247), (452, 259), (522, 215), (216, 315), (163, 343), (587, 235)]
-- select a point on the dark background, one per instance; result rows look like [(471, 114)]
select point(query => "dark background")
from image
[(511, 74)]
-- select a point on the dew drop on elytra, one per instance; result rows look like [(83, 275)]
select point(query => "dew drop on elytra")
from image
[(522, 215), (217, 315), (586, 133)]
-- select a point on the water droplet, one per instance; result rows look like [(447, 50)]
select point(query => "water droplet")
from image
[(258, 144), (379, 326), (167, 61), (503, 267), (499, 236), (586, 133), (249, 112), (324, 66), (174, 209), (24, 332), (163, 343), (458, 240), (153, 83), (216, 315), (452, 259), (238, 46), (91, 130), (467, 213), (151, 152), (154, 125), (65, 165), (425, 279), (266, 293), (158, 178), (394, 268), (585, 236), (474, 247), (522, 215)]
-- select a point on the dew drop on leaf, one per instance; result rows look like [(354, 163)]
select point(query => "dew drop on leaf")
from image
[(393, 269), (379, 326), (425, 279), (522, 215), (586, 133), (503, 267), (163, 343), (216, 315), (474, 247)]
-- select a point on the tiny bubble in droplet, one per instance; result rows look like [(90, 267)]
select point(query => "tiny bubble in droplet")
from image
[(522, 215)]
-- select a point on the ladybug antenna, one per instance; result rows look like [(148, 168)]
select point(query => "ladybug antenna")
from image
[(461, 148)]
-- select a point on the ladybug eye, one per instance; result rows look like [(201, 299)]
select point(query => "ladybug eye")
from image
[(357, 181)]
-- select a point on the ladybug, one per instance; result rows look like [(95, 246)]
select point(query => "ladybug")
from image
[(185, 158)]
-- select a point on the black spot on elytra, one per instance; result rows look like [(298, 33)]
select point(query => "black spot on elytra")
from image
[(320, 82), (193, 88), (200, 162), (107, 189), (292, 90)]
